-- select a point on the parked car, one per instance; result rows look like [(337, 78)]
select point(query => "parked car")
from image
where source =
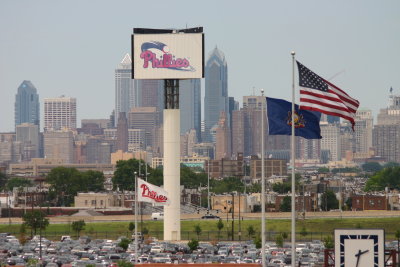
[(157, 216), (210, 216)]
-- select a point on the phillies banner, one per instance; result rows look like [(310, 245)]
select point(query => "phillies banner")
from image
[(150, 193)]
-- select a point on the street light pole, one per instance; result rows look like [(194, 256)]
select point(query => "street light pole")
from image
[(208, 186), (233, 217), (262, 184), (136, 222)]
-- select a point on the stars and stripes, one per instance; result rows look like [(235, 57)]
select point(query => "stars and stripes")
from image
[(318, 94)]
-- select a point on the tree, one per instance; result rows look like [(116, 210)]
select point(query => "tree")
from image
[(251, 231), (190, 179), (124, 243), (391, 165), (124, 263), (257, 242), (65, 183), (131, 226), (78, 226), (282, 188), (329, 201), (145, 231), (94, 181), (35, 220), (286, 204), (22, 234), (156, 176), (349, 203), (197, 229), (303, 231), (371, 167), (279, 241), (397, 235), (228, 184), (3, 180), (124, 178), (323, 170), (388, 177), (193, 244), (18, 182), (220, 225), (328, 242)]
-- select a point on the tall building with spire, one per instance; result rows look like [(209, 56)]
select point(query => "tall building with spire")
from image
[(27, 104), (216, 90), (125, 98)]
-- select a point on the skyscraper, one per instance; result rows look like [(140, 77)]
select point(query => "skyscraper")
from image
[(59, 145), (190, 105), (124, 87), (386, 134), (150, 93), (27, 104), (59, 113), (122, 132), (28, 135), (216, 90)]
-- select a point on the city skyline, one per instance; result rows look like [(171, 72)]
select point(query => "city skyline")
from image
[(355, 43)]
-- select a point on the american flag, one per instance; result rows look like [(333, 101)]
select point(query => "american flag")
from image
[(318, 94)]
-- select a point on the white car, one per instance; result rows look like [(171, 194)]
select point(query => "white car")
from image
[(157, 216)]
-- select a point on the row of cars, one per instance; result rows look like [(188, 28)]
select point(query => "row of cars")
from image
[(105, 252)]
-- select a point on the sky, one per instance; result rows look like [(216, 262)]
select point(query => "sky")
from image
[(72, 47)]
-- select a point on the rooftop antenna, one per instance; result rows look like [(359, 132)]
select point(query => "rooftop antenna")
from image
[(254, 88)]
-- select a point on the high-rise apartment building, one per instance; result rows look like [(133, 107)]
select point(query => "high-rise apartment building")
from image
[(125, 98), (331, 140), (363, 130), (27, 107), (28, 135), (190, 105), (59, 113), (216, 90)]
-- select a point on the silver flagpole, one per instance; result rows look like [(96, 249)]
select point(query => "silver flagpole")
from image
[(262, 185), (136, 222), (293, 175)]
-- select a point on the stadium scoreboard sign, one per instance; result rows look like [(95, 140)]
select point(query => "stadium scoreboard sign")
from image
[(168, 54)]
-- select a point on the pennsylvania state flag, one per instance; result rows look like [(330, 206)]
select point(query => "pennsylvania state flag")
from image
[(279, 113)]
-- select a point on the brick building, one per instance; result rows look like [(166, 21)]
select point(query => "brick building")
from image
[(369, 202)]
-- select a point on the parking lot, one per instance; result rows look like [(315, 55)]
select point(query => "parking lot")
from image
[(107, 252)]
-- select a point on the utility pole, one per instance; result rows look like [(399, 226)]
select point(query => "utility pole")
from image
[(233, 217)]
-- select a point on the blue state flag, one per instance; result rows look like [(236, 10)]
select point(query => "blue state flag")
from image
[(279, 113)]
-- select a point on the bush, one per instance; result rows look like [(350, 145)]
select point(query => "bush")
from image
[(193, 244), (124, 243)]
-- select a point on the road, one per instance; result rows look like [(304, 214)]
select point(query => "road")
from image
[(246, 216)]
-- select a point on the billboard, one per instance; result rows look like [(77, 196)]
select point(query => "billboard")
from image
[(168, 56)]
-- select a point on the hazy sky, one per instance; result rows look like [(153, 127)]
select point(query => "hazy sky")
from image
[(72, 47)]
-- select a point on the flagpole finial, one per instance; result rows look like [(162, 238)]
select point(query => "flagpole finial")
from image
[(293, 53)]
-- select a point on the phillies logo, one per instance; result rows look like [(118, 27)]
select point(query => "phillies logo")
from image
[(146, 192), (156, 55)]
